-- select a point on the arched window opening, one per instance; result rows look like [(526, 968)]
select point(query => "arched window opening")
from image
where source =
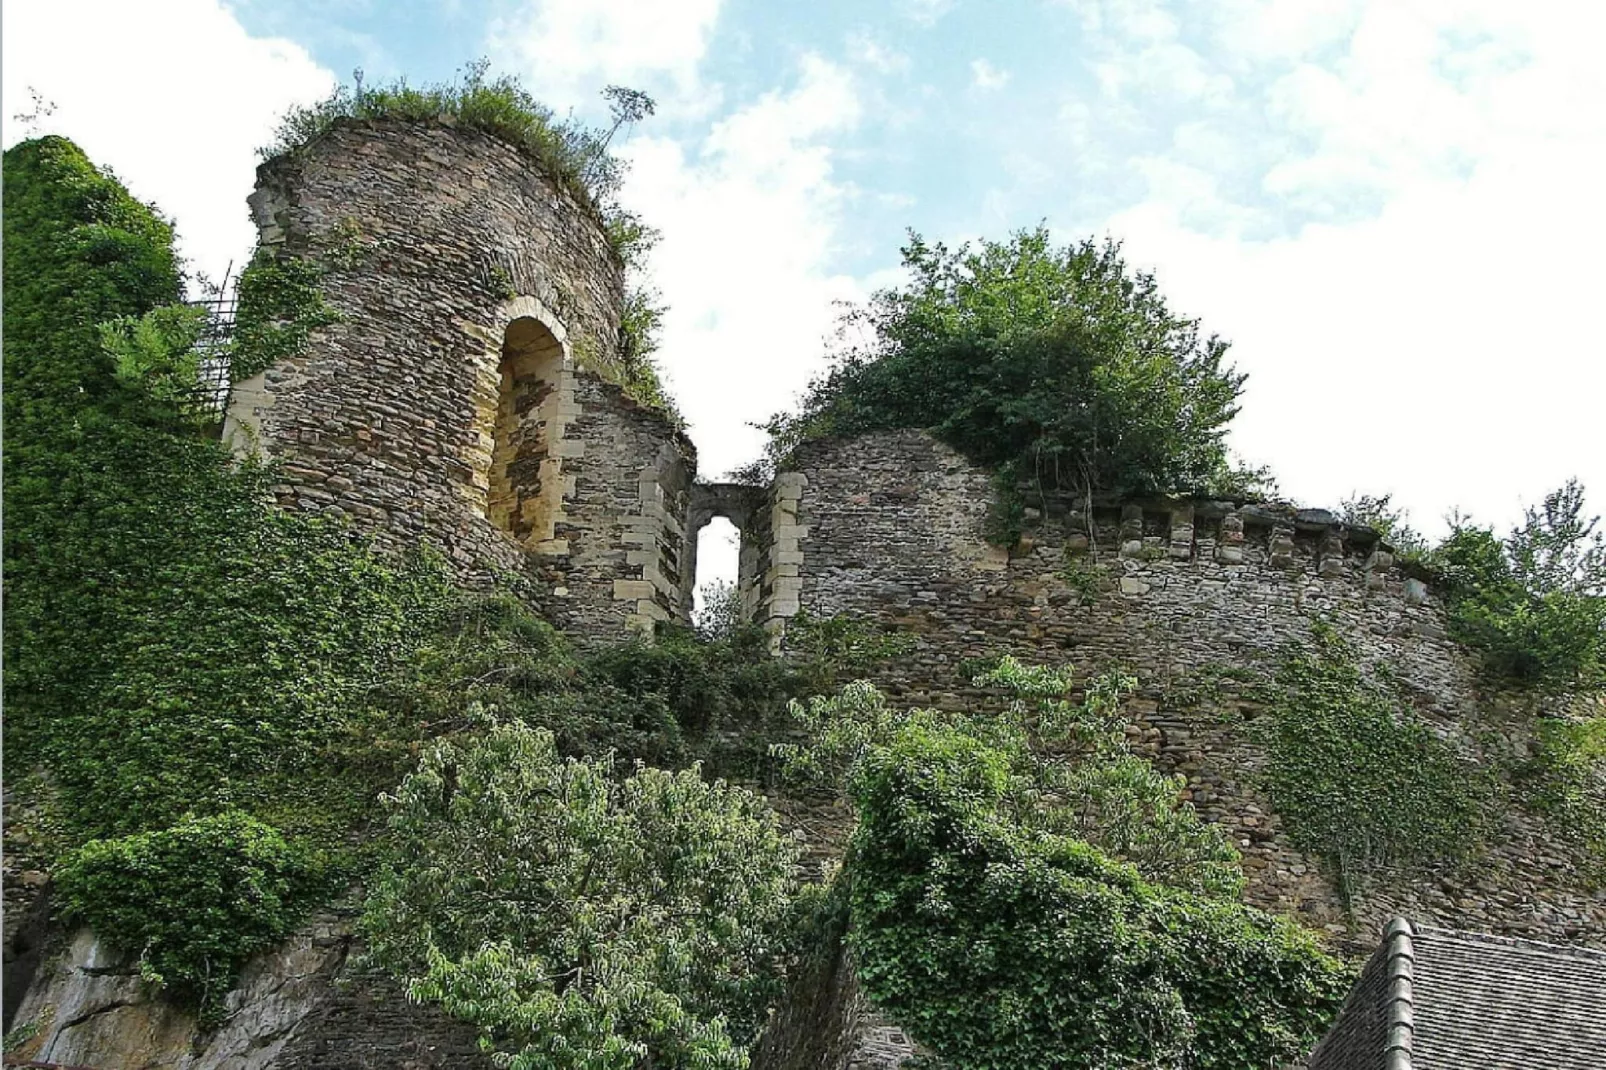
[(717, 597), (525, 490)]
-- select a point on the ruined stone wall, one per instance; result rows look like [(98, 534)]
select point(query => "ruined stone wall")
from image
[(1187, 596), (627, 556), (451, 401)]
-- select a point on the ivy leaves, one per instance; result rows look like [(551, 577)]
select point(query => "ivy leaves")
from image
[(1025, 893), (1357, 777)]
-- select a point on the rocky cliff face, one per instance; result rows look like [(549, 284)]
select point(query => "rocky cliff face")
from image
[(298, 1006)]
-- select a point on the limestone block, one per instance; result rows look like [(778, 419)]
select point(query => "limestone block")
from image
[(1133, 585), (630, 590)]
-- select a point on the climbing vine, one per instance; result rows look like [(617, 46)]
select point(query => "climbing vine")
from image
[(280, 304), (1357, 777), (991, 913)]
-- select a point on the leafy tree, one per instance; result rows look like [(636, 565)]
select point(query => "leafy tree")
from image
[(1058, 366), (989, 917), (1534, 602), (583, 921)]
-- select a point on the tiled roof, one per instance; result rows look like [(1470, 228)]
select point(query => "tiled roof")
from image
[(1436, 999)]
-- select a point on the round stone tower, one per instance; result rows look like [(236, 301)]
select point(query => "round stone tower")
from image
[(451, 400)]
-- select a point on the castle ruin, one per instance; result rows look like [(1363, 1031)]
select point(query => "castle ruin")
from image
[(457, 400)]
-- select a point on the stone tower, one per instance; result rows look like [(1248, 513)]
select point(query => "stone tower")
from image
[(452, 401)]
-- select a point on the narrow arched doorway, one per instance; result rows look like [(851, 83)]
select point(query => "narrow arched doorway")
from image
[(525, 486)]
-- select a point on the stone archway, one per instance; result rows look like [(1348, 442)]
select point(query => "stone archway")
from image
[(524, 495), (744, 506)]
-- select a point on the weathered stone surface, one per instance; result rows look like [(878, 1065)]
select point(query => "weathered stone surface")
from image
[(452, 401), (286, 1013), (917, 563)]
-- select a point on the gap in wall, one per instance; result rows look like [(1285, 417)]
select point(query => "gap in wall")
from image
[(718, 551)]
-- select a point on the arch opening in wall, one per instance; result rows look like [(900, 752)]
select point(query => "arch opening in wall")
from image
[(524, 496), (717, 595)]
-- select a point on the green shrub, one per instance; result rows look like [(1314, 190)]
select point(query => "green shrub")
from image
[(1358, 778), (1534, 603), (1001, 945), (580, 920), (194, 901), (1023, 892), (1070, 771), (1059, 367)]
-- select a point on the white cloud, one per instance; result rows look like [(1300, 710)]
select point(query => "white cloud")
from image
[(567, 50), (985, 77), (750, 218), (926, 12), (175, 97), (1434, 337), (866, 50)]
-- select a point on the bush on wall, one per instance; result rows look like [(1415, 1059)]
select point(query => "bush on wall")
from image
[(193, 901), (1012, 909), (1059, 367)]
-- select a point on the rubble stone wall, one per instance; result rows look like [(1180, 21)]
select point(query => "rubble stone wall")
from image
[(1197, 599), (451, 401)]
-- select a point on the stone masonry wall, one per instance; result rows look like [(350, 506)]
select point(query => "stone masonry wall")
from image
[(436, 240), (1186, 595)]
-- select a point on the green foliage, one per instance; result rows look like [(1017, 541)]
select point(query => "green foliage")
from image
[(666, 701), (1087, 578), (986, 922), (583, 921), (1070, 769), (173, 643), (720, 615), (571, 153), (157, 354), (1358, 778), (79, 251), (1534, 603), (1059, 361), (637, 372), (1379, 514), (280, 305), (194, 900), (826, 648), (1565, 781)]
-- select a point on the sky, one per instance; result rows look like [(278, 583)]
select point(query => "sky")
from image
[(1391, 208)]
